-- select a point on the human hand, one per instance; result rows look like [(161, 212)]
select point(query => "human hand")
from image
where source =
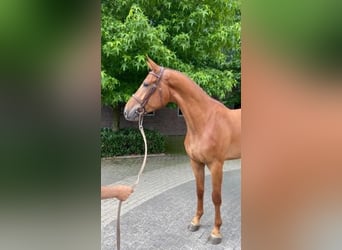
[(124, 192)]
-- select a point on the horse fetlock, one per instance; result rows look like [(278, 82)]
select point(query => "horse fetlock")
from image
[(196, 219), (216, 231), (198, 215)]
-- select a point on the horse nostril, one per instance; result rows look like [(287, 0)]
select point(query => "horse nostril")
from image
[(125, 113)]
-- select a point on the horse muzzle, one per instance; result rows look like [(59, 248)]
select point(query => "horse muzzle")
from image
[(133, 113)]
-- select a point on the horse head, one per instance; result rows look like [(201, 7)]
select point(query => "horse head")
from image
[(150, 96)]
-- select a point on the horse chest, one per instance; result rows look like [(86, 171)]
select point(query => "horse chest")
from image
[(196, 149)]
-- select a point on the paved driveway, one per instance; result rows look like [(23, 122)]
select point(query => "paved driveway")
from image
[(158, 212)]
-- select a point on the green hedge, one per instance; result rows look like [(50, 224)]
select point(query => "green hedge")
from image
[(129, 141)]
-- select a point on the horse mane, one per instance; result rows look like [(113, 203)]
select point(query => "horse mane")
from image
[(198, 88), (190, 81)]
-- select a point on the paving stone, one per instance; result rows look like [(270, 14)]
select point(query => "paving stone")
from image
[(156, 216)]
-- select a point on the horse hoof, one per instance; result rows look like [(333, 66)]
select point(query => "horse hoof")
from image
[(193, 227), (213, 239)]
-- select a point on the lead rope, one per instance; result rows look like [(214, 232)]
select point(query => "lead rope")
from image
[(135, 183)]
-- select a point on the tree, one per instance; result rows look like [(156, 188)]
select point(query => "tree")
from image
[(200, 38)]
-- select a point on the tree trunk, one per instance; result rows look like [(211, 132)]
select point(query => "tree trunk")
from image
[(116, 118)]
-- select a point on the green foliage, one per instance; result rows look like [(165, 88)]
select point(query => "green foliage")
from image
[(200, 38), (129, 141)]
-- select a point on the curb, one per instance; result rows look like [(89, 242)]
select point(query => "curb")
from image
[(131, 156)]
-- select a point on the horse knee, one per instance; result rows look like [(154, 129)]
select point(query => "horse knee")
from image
[(217, 200), (200, 192)]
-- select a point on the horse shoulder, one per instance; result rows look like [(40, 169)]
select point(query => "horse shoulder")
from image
[(234, 146), (225, 134)]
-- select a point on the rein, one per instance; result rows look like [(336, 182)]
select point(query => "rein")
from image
[(141, 128), (150, 92)]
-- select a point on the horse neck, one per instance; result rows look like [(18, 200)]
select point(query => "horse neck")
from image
[(192, 100)]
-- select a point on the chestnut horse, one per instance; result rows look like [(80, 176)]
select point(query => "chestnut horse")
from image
[(213, 130)]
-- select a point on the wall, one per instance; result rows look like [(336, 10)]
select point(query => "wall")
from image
[(107, 117), (166, 121)]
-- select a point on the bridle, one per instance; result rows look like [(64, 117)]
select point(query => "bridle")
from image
[(150, 92)]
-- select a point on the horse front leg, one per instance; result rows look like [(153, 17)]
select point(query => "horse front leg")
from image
[(216, 179), (198, 170)]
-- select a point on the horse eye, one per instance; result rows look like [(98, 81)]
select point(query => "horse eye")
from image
[(145, 84)]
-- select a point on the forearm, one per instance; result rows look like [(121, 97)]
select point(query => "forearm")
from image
[(120, 192), (108, 192)]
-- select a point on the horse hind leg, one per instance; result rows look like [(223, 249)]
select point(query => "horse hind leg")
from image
[(216, 177), (198, 170)]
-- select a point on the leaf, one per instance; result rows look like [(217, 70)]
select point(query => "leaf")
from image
[(200, 38), (192, 22)]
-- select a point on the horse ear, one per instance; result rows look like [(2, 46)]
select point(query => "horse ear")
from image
[(151, 64)]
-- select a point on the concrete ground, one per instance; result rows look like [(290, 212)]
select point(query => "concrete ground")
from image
[(157, 214)]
